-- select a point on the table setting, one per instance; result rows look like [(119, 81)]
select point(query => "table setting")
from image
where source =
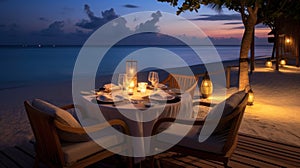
[(139, 103), (143, 95)]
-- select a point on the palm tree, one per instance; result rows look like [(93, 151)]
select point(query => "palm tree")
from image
[(249, 11)]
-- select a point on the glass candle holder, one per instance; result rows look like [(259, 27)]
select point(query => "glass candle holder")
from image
[(269, 64), (142, 87), (131, 71)]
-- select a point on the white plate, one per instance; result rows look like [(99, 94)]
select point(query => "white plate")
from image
[(157, 97), (160, 86), (104, 99)]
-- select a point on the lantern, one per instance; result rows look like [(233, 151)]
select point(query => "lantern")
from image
[(269, 64), (282, 62), (206, 86), (131, 72), (250, 98), (288, 41)]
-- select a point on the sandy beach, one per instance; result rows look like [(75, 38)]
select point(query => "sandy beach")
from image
[(274, 114)]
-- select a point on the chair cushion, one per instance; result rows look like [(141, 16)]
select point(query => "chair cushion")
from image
[(233, 101), (76, 151), (72, 137), (230, 104), (63, 117), (214, 143)]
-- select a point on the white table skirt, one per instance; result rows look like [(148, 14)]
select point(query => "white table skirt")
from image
[(140, 122)]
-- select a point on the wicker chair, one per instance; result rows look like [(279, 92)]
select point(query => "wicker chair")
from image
[(220, 145), (54, 152)]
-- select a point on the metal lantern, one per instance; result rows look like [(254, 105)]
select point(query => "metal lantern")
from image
[(206, 86), (131, 72), (282, 62), (269, 64), (250, 98)]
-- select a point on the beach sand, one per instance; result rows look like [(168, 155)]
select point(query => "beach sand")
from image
[(274, 114)]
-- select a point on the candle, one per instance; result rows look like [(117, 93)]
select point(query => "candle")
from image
[(130, 91), (131, 71), (131, 85), (142, 86)]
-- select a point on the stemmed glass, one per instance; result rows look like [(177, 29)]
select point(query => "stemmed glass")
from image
[(153, 78), (122, 81)]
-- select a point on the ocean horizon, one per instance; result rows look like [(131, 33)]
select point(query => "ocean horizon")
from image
[(27, 65)]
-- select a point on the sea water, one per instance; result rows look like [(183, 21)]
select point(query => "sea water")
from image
[(21, 66)]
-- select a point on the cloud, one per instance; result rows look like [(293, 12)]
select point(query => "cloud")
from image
[(55, 34), (232, 23), (237, 41), (66, 10), (219, 17), (130, 6), (2, 25), (149, 25), (54, 29), (226, 41), (43, 19), (238, 27), (259, 26), (95, 22)]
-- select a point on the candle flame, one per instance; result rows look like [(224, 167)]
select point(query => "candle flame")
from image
[(131, 85)]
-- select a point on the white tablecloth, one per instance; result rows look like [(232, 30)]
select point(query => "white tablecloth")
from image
[(140, 119)]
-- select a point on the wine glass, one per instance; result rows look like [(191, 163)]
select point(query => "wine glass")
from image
[(153, 78), (122, 81)]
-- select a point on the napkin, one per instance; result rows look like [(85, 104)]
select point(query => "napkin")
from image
[(111, 86), (161, 94)]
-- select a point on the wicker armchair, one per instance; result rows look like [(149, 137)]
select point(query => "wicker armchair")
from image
[(54, 152), (220, 145)]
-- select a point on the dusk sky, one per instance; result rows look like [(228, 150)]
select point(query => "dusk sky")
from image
[(67, 22)]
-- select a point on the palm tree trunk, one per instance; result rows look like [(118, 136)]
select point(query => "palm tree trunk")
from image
[(274, 44), (245, 47)]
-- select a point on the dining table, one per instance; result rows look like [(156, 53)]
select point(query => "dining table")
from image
[(138, 110)]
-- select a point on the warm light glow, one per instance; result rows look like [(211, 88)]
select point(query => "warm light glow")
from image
[(131, 71), (282, 62), (142, 87), (269, 64), (143, 90), (288, 41), (130, 91), (250, 98), (131, 85), (206, 88)]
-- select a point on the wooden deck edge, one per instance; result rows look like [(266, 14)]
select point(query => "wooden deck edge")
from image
[(268, 140)]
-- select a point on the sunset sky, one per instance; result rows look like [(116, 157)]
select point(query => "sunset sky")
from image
[(66, 22)]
